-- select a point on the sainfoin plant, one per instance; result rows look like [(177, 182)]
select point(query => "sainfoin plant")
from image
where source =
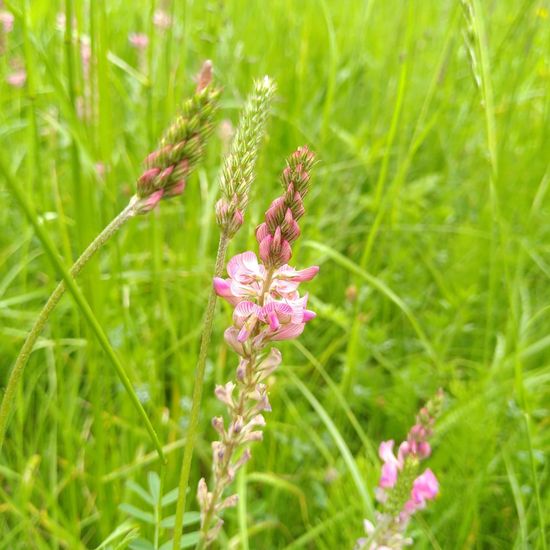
[(402, 489), (267, 308)]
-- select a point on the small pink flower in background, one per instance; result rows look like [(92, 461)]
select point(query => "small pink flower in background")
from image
[(17, 79), (138, 40), (161, 19), (6, 20), (401, 489)]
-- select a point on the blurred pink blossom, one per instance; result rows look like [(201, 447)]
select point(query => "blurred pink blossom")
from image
[(6, 20), (139, 41), (17, 79)]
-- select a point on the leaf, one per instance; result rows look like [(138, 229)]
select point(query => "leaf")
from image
[(187, 541), (140, 491), (154, 486), (170, 497), (127, 529), (147, 517), (189, 518), (141, 544)]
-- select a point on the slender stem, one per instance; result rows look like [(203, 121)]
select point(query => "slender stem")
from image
[(242, 410), (26, 350), (79, 299), (197, 394), (222, 479)]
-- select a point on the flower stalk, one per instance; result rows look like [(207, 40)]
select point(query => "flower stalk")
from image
[(267, 308), (402, 490), (237, 177)]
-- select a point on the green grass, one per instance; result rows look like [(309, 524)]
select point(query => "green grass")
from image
[(428, 216)]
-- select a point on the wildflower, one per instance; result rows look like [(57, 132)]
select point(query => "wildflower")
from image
[(17, 79), (401, 489), (267, 308), (138, 40)]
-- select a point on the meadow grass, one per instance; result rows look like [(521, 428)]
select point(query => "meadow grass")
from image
[(428, 215)]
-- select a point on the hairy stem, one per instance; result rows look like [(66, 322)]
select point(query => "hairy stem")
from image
[(245, 410), (197, 394), (26, 350)]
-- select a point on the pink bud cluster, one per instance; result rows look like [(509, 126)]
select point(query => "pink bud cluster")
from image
[(280, 229), (401, 489), (168, 168)]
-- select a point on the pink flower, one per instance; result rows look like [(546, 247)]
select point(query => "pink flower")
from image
[(425, 487), (247, 279), (138, 40), (17, 79), (6, 20)]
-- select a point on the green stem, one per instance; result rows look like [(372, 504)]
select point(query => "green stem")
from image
[(197, 395), (79, 299), (26, 350)]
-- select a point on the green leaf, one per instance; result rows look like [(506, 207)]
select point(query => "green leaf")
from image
[(170, 497), (187, 541), (127, 530), (140, 491), (147, 517), (154, 486), (141, 544), (189, 518)]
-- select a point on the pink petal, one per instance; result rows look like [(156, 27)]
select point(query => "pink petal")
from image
[(389, 475), (289, 332), (243, 311), (425, 487), (309, 315), (223, 289), (385, 452), (242, 264), (290, 274)]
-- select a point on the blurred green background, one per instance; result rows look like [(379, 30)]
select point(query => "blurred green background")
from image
[(428, 216)]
